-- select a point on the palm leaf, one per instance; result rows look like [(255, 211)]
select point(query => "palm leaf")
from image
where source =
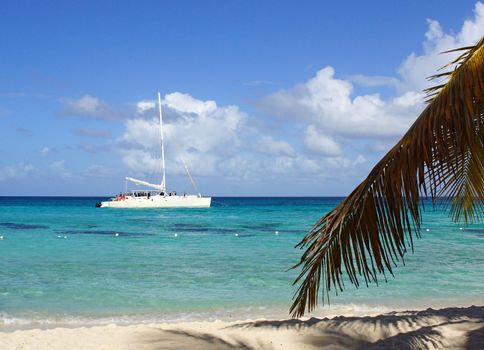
[(440, 156)]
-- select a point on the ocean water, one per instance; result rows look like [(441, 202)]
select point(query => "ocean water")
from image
[(64, 261)]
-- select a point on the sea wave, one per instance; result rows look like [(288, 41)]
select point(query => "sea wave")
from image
[(39, 320), (47, 321)]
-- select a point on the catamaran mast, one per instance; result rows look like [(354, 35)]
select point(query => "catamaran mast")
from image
[(163, 184)]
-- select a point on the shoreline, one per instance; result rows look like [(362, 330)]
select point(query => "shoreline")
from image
[(450, 327), (39, 320)]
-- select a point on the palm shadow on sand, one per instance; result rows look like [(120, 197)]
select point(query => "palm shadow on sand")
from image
[(456, 328)]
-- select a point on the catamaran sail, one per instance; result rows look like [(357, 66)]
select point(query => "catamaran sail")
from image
[(157, 196)]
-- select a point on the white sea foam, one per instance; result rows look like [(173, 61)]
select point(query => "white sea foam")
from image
[(36, 320)]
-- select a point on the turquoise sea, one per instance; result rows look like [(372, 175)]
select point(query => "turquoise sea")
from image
[(64, 261)]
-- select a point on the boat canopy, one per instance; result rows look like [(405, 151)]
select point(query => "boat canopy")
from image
[(145, 183)]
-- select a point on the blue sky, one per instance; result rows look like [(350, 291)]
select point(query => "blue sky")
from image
[(260, 97)]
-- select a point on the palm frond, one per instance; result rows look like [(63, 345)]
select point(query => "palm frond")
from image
[(440, 156)]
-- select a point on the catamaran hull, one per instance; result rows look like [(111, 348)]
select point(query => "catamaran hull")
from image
[(159, 202)]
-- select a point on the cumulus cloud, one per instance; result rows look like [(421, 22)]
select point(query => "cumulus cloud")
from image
[(145, 105), (327, 102), (200, 131), (320, 143), (184, 103), (213, 140), (143, 133), (14, 171), (266, 144), (416, 67), (332, 131)]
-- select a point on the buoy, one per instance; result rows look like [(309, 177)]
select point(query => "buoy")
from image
[(236, 235), (460, 228), (1, 238), (59, 236), (428, 230), (65, 236), (175, 235), (276, 232), (116, 234)]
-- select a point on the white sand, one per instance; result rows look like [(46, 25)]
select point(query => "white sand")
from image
[(449, 328)]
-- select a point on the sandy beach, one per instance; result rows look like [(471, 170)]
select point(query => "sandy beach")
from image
[(447, 328)]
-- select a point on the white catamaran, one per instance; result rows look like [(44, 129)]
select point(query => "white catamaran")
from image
[(156, 196)]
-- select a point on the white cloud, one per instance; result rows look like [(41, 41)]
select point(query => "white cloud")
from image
[(213, 140), (416, 68), (184, 103), (408, 99), (268, 145), (88, 106), (142, 132), (326, 102), (200, 133), (322, 144), (332, 132), (141, 160), (14, 171), (145, 105), (472, 30)]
